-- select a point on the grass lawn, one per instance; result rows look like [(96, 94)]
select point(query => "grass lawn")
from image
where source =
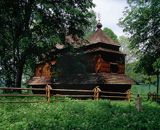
[(143, 89), (78, 115)]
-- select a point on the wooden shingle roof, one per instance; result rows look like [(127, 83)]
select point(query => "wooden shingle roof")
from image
[(39, 81), (103, 50), (100, 37), (96, 78)]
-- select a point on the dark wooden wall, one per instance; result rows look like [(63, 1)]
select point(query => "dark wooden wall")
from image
[(95, 63)]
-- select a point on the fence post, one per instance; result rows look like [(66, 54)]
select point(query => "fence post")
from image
[(129, 95), (138, 103), (46, 89), (48, 93), (154, 96), (149, 96), (96, 91)]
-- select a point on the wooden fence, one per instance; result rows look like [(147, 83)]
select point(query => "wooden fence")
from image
[(154, 97), (95, 94)]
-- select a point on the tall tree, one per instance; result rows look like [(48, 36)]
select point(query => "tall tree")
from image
[(142, 22), (31, 27)]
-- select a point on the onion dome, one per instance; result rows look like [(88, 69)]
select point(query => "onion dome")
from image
[(99, 25)]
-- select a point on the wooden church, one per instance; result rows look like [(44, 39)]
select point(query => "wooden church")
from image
[(95, 62)]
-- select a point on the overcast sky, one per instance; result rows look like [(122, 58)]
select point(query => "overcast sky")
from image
[(110, 12)]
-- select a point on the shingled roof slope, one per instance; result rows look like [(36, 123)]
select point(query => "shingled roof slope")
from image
[(104, 50), (96, 78), (39, 81), (100, 36)]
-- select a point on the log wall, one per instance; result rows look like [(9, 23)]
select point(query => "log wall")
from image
[(44, 69), (94, 64), (105, 66)]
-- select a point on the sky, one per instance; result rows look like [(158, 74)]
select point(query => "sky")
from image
[(110, 12)]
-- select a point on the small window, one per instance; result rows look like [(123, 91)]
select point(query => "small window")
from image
[(114, 68)]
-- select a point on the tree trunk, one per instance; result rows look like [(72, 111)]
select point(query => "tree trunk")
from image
[(19, 73)]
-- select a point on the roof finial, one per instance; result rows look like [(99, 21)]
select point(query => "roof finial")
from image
[(99, 17), (99, 25)]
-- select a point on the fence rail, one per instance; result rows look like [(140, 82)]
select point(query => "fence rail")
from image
[(154, 97), (95, 94), (71, 90), (11, 88), (22, 95)]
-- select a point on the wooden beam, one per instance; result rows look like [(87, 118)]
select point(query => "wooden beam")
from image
[(22, 95), (106, 92), (71, 90), (11, 88), (72, 95)]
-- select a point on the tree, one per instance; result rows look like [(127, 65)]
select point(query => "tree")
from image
[(110, 33), (156, 66), (30, 28), (131, 62), (130, 54), (142, 22), (90, 29)]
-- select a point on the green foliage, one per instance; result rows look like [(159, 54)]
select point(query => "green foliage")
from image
[(110, 33), (143, 90), (125, 48), (141, 21), (156, 65), (79, 115), (133, 65), (90, 29), (139, 77), (31, 28)]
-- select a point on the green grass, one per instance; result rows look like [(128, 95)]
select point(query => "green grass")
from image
[(143, 89), (67, 114), (79, 115)]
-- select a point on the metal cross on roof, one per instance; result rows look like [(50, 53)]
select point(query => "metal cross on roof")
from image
[(99, 17)]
